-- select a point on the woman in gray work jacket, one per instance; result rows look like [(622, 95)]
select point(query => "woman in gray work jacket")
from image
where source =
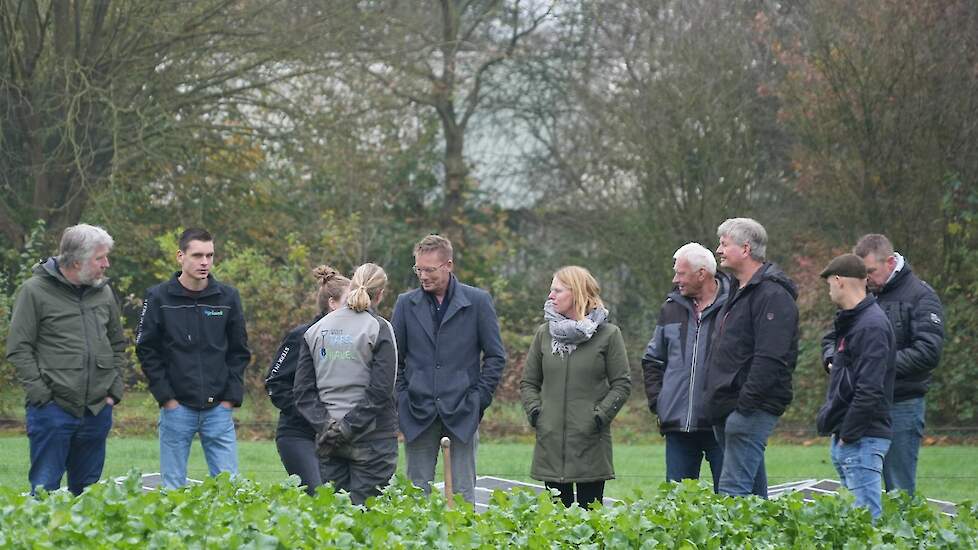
[(575, 381), (353, 356)]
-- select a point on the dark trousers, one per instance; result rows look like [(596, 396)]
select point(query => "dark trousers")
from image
[(685, 452), (60, 442), (298, 455), (361, 468), (587, 492)]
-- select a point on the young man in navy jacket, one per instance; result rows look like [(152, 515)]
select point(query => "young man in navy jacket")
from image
[(193, 348), (856, 412)]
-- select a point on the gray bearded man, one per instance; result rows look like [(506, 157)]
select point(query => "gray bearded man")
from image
[(67, 345)]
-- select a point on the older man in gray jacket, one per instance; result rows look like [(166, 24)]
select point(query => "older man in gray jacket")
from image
[(450, 358), (674, 363)]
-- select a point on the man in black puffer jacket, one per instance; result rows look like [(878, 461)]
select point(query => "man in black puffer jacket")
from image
[(917, 317), (856, 412), (748, 383)]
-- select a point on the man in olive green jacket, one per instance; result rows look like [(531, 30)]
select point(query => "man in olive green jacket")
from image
[(67, 345)]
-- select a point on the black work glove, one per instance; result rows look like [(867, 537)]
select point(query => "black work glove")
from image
[(330, 439), (598, 423), (534, 415)]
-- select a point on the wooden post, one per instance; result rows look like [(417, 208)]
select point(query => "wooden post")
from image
[(446, 450)]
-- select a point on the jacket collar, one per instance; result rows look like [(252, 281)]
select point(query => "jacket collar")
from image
[(174, 287), (900, 263), (768, 272), (845, 318), (421, 309), (419, 306), (899, 275), (723, 291), (758, 276), (49, 268), (459, 300)]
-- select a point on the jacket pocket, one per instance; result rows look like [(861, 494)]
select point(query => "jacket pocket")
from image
[(547, 456), (64, 377), (674, 397), (105, 373)]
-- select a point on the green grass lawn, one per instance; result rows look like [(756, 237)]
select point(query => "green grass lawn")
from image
[(946, 472)]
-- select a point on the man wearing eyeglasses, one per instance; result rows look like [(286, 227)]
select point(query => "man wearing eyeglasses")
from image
[(450, 358)]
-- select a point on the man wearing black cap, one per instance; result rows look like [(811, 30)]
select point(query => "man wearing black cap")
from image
[(916, 316), (856, 412)]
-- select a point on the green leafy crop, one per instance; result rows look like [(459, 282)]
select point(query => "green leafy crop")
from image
[(239, 513)]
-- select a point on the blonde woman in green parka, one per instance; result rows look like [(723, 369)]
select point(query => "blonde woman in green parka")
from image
[(575, 381)]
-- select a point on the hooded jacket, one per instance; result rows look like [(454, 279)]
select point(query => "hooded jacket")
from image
[(66, 342), (860, 392), (193, 348), (917, 318), (674, 364), (755, 348)]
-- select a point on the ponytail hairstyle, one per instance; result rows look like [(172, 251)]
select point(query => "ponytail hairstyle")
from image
[(368, 281), (331, 285)]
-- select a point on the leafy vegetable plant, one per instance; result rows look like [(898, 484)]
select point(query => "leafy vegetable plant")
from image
[(239, 513)]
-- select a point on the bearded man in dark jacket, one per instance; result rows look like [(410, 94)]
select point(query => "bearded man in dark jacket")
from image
[(752, 358), (67, 345), (856, 412), (917, 318)]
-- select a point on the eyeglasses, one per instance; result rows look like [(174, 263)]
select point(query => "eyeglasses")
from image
[(428, 270)]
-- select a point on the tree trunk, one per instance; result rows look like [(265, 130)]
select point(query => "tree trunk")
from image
[(456, 173)]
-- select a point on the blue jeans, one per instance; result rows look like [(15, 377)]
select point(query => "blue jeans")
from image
[(743, 438), (60, 442), (421, 455), (685, 452), (900, 466), (177, 430), (860, 465)]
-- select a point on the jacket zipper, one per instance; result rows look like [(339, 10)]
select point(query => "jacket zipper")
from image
[(200, 367), (563, 445), (88, 353), (692, 372)]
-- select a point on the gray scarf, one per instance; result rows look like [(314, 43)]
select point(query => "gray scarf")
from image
[(567, 333)]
